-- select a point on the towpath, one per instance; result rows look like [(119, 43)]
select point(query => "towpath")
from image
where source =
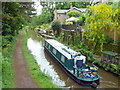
[(22, 77)]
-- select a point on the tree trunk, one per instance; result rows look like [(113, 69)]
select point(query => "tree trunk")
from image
[(114, 35)]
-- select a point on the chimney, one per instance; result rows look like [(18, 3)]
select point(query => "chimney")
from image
[(55, 14), (71, 6)]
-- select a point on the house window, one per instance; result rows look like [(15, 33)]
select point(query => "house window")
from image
[(62, 58), (59, 15), (54, 51)]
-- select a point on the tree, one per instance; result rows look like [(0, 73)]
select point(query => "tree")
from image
[(66, 5), (48, 8), (41, 19), (14, 16), (56, 26), (99, 19)]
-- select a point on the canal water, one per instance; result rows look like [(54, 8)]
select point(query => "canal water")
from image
[(59, 77)]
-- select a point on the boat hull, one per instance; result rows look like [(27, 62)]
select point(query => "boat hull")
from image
[(81, 82)]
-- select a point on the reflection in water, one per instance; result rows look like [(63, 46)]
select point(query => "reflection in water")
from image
[(108, 80), (59, 77), (36, 49)]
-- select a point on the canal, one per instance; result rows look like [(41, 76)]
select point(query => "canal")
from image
[(59, 77)]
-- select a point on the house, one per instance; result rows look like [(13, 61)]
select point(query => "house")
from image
[(61, 15)]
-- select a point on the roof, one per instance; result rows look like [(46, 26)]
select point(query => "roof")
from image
[(79, 9), (62, 11), (72, 19), (61, 48), (82, 9), (110, 53)]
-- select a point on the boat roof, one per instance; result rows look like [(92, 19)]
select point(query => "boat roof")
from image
[(61, 48)]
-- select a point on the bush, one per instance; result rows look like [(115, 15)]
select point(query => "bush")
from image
[(7, 65), (74, 13), (97, 62), (107, 67), (115, 67), (108, 39), (81, 19), (6, 40), (90, 59)]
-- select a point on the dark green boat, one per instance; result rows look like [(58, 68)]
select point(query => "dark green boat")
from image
[(74, 65)]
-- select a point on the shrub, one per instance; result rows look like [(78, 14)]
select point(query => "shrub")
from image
[(107, 67), (97, 62), (104, 65), (6, 40), (74, 13), (81, 19), (114, 67), (108, 39), (90, 59)]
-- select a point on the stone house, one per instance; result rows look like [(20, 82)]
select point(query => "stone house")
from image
[(61, 15)]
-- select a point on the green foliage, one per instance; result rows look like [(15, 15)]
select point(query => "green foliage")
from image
[(98, 19), (56, 26), (60, 38), (74, 13), (44, 81), (62, 5), (81, 20), (7, 66), (47, 8), (104, 65), (66, 5), (46, 26), (114, 6), (41, 19), (116, 19), (108, 39), (6, 40), (14, 16), (1, 63), (114, 66), (97, 62), (107, 67)]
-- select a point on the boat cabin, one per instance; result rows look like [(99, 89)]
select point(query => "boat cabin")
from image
[(61, 52)]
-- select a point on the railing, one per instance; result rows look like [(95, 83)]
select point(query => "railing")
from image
[(82, 71)]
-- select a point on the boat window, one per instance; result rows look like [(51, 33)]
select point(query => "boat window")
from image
[(49, 46), (46, 44), (54, 51), (62, 58)]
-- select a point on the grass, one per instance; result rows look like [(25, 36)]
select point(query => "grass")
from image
[(0, 63), (42, 80), (7, 65)]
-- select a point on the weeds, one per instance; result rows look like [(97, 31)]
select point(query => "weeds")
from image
[(7, 65)]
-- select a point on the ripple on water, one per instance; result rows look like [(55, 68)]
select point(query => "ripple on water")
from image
[(37, 51)]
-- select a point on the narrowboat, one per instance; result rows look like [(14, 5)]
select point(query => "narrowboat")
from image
[(73, 63)]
